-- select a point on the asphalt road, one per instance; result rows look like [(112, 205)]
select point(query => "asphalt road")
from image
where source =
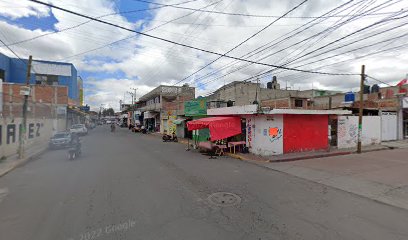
[(133, 186)]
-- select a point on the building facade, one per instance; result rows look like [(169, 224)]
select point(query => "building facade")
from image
[(164, 104), (13, 70), (239, 93)]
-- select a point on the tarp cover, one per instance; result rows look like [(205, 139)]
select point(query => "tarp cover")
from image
[(220, 127)]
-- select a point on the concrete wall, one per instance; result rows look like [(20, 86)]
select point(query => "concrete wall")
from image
[(38, 133), (43, 101), (347, 131), (265, 134)]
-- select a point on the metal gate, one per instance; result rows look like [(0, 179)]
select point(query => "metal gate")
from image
[(388, 126)]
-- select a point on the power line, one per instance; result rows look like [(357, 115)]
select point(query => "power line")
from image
[(239, 14), (132, 36), (98, 17), (289, 35), (180, 44), (375, 79), (189, 32), (246, 40), (384, 20)]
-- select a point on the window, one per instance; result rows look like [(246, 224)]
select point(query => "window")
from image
[(46, 79), (298, 103), (2, 75)]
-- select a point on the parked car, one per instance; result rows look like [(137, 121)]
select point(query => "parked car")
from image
[(60, 140), (79, 129)]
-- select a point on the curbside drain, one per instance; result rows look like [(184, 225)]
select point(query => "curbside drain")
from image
[(224, 199)]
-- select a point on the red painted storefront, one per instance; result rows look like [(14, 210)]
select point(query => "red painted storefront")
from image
[(305, 132)]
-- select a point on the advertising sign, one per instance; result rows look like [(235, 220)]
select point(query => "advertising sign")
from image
[(196, 107)]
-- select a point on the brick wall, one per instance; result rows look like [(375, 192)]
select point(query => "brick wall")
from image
[(41, 103)]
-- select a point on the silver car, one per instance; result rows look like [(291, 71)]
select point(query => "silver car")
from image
[(79, 129)]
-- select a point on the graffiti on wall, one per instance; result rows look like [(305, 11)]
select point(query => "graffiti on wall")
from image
[(347, 131), (249, 131), (275, 134), (171, 125), (341, 128), (9, 132)]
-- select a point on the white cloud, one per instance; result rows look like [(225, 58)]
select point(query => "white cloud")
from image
[(110, 91), (22, 8)]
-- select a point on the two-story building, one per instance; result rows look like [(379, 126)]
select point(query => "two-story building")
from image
[(164, 104), (240, 93), (13, 70)]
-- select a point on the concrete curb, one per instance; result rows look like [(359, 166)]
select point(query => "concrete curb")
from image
[(22, 162), (291, 159)]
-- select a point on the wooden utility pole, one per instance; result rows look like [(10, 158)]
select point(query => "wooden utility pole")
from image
[(22, 132), (360, 113)]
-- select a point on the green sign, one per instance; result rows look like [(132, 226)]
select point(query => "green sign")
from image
[(197, 107)]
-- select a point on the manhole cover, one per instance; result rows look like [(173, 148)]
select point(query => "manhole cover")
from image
[(224, 199)]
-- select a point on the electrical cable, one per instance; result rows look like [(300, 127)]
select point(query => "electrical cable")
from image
[(98, 17), (302, 41), (173, 42), (246, 40), (234, 14), (288, 36)]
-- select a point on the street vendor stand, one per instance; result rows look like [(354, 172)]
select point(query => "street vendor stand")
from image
[(220, 128)]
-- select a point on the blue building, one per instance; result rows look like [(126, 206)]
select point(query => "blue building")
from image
[(14, 70)]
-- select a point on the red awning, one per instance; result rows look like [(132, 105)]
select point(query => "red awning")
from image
[(220, 127)]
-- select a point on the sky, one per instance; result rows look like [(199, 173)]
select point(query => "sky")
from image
[(328, 37)]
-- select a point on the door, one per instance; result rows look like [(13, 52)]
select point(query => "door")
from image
[(388, 126)]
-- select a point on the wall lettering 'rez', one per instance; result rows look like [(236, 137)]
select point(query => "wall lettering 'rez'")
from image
[(10, 133)]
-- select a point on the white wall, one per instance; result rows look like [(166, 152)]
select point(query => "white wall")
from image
[(388, 126), (235, 110), (347, 128), (259, 139), (38, 132)]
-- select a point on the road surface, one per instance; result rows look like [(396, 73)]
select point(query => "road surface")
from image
[(134, 186)]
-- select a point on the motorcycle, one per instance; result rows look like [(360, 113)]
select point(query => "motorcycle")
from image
[(170, 138), (113, 128), (74, 151)]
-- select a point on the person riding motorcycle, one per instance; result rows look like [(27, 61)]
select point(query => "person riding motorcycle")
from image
[(113, 127), (75, 143)]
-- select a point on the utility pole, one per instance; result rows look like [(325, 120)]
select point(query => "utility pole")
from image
[(360, 113), (22, 132), (135, 89), (131, 94)]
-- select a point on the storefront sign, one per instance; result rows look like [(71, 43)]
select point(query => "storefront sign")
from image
[(197, 107)]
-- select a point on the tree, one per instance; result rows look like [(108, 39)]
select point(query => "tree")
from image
[(108, 112)]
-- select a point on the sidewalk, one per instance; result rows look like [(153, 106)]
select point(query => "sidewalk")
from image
[(381, 176), (13, 162), (307, 155)]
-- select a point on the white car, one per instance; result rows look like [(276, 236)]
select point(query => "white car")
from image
[(79, 129)]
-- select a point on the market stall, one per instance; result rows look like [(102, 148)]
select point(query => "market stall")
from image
[(220, 128)]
